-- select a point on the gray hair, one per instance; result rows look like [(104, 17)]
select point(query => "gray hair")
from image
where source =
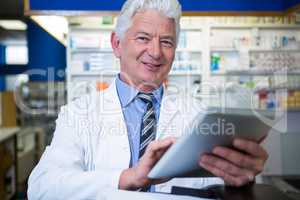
[(169, 8)]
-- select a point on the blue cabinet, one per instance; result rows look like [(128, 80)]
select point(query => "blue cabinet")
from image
[(2, 62)]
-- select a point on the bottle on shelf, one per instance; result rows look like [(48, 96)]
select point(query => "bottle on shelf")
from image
[(215, 62)]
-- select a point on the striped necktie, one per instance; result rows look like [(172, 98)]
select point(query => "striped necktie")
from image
[(148, 127)]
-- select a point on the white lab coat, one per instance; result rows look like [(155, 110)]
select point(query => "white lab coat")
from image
[(90, 147)]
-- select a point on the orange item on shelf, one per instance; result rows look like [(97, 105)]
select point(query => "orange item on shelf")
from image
[(101, 86)]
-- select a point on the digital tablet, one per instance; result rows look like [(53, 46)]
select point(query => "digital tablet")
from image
[(206, 132)]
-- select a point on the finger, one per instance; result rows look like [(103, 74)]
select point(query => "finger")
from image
[(159, 145), (158, 154), (250, 147), (173, 139), (228, 179), (167, 141), (228, 167), (239, 159)]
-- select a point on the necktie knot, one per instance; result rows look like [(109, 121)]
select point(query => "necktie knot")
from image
[(145, 97)]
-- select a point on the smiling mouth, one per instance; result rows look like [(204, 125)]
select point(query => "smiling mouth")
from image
[(152, 67)]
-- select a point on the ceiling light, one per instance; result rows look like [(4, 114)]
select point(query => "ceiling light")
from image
[(13, 25), (57, 26)]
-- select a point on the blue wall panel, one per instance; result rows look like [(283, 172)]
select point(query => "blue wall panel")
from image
[(2, 54), (89, 5), (290, 3), (47, 56), (2, 62), (188, 5), (232, 5)]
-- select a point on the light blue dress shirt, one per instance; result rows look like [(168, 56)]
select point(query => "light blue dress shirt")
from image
[(133, 110)]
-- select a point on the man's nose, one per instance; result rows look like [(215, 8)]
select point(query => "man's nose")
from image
[(155, 49)]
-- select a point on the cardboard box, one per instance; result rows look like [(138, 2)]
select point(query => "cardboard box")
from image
[(8, 110)]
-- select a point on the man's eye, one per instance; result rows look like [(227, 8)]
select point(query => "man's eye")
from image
[(167, 43), (142, 39)]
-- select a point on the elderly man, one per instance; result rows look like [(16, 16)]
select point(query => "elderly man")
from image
[(113, 138)]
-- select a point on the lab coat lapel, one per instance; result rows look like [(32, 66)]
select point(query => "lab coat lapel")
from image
[(114, 147), (169, 119)]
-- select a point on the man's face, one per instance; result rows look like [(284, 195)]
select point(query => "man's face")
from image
[(147, 50)]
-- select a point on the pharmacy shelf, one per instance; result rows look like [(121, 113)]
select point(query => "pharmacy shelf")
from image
[(250, 26), (113, 73), (185, 73), (253, 73), (224, 50), (274, 89), (234, 26), (91, 50), (255, 50), (278, 26), (189, 50), (190, 28), (275, 50)]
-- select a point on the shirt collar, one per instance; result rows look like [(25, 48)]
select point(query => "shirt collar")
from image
[(127, 93)]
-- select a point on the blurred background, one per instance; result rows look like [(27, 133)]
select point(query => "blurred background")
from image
[(231, 54)]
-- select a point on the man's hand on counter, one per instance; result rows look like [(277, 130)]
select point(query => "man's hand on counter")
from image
[(236, 167)]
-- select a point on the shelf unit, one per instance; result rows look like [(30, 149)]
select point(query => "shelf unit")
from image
[(224, 50), (276, 50), (274, 89), (254, 25), (183, 73), (254, 73), (253, 82), (253, 55)]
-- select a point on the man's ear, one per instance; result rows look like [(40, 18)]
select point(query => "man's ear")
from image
[(115, 44)]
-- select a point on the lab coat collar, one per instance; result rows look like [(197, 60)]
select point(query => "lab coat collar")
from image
[(169, 109)]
